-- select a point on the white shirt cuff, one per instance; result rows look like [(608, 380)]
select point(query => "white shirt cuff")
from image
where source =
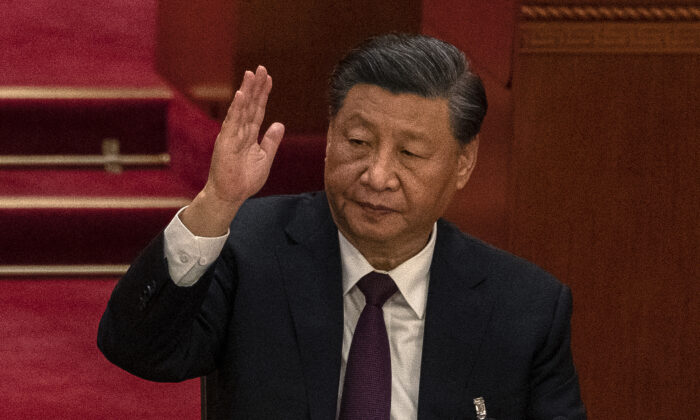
[(188, 255)]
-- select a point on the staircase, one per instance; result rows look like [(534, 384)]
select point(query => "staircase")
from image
[(86, 178), (97, 153), (86, 173)]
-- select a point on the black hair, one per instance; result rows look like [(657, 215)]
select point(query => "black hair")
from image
[(418, 64)]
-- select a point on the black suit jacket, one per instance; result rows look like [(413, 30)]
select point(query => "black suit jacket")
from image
[(268, 316)]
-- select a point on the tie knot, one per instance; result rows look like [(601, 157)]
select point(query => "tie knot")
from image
[(377, 288)]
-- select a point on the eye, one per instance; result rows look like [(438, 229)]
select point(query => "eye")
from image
[(409, 153), (357, 142)]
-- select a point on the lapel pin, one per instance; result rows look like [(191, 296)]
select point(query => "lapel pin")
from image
[(480, 407)]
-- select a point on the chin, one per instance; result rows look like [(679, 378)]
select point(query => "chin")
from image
[(372, 232)]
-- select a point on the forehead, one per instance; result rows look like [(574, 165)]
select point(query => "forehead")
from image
[(376, 107)]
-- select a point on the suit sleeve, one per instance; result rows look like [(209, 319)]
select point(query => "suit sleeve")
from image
[(554, 384), (159, 331)]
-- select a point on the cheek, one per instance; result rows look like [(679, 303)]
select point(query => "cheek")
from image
[(343, 164), (427, 189), (342, 152)]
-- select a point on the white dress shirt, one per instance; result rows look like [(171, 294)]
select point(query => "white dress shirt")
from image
[(189, 256)]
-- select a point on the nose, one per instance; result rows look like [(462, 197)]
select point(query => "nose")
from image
[(380, 174)]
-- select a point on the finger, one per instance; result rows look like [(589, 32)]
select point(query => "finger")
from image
[(261, 102), (232, 122), (247, 83), (272, 139), (250, 127), (249, 88), (241, 112), (260, 79), (257, 90)]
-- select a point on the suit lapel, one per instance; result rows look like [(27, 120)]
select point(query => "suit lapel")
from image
[(313, 282), (457, 314)]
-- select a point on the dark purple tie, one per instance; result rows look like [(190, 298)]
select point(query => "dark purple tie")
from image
[(367, 388)]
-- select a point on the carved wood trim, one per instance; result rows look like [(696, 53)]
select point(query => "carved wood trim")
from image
[(610, 13), (609, 37)]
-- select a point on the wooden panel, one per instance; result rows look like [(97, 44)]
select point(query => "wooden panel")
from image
[(612, 3), (605, 193), (610, 38)]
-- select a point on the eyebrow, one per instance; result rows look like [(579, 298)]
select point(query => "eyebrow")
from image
[(356, 116), (407, 133)]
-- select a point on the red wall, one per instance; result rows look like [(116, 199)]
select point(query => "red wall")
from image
[(484, 30)]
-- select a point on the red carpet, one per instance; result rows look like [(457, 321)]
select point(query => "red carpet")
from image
[(78, 42), (52, 369)]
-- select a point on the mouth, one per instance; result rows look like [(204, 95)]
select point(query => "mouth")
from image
[(375, 208)]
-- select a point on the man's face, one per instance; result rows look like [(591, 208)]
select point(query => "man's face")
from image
[(392, 166)]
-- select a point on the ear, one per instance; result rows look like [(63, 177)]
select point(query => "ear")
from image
[(466, 162), (328, 138), (330, 134)]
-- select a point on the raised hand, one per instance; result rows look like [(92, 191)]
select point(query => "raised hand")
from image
[(239, 165)]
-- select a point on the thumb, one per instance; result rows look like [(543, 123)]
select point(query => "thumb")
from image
[(272, 139)]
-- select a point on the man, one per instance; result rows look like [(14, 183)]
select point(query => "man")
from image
[(358, 302)]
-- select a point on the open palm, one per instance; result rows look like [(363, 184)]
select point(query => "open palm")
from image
[(240, 165)]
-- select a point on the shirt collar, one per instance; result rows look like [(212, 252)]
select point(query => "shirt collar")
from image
[(411, 276)]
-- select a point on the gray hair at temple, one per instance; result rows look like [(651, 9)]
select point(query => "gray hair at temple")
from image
[(418, 64)]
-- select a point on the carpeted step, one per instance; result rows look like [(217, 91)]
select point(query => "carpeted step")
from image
[(39, 231), (82, 221), (71, 122), (73, 74), (92, 220)]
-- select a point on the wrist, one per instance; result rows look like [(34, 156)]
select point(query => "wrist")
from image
[(208, 215)]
